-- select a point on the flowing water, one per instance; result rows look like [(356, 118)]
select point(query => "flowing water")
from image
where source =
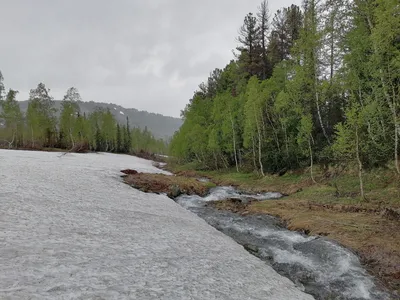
[(315, 264)]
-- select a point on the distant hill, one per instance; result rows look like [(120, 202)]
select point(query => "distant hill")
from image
[(161, 126)]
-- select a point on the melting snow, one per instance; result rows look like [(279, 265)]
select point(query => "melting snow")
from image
[(70, 229)]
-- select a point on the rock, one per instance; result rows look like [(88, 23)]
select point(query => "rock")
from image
[(391, 214), (129, 172), (174, 191), (235, 200), (282, 172), (251, 248)]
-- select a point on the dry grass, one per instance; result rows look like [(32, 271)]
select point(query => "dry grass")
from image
[(173, 186)]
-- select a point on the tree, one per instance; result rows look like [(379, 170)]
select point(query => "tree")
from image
[(385, 33), (68, 117), (109, 129), (2, 88), (253, 115), (249, 37), (330, 92), (128, 137), (286, 27), (305, 140), (13, 119), (82, 132), (349, 141), (118, 140), (40, 116), (263, 21), (308, 51)]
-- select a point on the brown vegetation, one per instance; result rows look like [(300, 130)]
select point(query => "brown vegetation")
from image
[(173, 186)]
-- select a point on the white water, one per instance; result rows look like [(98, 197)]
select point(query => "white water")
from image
[(70, 229), (222, 193)]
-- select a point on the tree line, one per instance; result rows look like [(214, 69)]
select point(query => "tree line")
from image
[(316, 84), (40, 127)]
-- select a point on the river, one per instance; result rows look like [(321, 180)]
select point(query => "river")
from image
[(318, 266)]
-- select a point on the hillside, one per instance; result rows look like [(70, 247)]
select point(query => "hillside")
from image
[(161, 126)]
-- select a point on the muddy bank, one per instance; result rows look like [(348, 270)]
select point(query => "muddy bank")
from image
[(172, 186)]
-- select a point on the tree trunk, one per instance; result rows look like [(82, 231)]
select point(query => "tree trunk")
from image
[(286, 140), (392, 106), (259, 145), (33, 140), (360, 168), (198, 158), (396, 147), (275, 132), (215, 160), (254, 155), (311, 161), (234, 141), (259, 154), (224, 161), (319, 115), (72, 139)]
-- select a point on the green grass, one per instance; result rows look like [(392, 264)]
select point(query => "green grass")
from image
[(382, 185)]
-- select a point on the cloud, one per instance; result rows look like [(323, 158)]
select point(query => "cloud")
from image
[(149, 55)]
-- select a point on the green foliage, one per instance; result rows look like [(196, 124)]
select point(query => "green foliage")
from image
[(40, 117), (2, 88), (13, 119), (99, 131), (331, 93), (68, 118)]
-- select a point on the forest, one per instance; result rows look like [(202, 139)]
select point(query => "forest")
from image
[(41, 128), (312, 85)]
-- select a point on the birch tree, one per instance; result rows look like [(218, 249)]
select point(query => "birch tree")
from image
[(13, 119)]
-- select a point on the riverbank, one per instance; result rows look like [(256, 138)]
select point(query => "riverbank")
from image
[(330, 208)]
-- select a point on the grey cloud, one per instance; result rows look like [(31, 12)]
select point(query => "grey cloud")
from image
[(149, 55)]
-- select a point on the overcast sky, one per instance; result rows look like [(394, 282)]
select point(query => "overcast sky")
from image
[(144, 54)]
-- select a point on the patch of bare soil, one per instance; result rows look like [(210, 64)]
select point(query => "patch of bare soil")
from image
[(173, 186), (129, 172)]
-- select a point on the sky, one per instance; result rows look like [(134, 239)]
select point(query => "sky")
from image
[(144, 54)]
